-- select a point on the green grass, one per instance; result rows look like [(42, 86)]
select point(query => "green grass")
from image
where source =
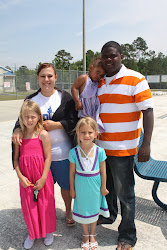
[(12, 96), (156, 90)]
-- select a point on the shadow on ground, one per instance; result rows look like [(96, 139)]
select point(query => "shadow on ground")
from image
[(149, 212), (13, 232)]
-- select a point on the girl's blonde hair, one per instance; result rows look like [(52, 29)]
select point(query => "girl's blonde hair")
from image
[(87, 120), (34, 107)]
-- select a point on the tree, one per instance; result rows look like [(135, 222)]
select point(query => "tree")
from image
[(62, 59), (140, 47), (90, 55), (77, 65), (24, 75), (36, 69), (129, 56), (136, 56), (157, 64)]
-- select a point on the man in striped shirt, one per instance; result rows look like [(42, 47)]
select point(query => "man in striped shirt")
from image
[(124, 97)]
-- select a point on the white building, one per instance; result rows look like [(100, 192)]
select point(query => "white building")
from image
[(7, 80)]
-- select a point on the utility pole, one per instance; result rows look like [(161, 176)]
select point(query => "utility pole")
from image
[(84, 53)]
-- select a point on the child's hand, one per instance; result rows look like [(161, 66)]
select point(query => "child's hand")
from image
[(104, 191), (39, 184), (25, 181), (72, 193), (78, 105)]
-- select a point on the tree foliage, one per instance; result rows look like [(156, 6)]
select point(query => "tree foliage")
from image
[(26, 75), (136, 56), (62, 59)]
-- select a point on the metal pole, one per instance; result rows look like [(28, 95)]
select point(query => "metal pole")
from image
[(84, 53), (16, 83), (69, 83)]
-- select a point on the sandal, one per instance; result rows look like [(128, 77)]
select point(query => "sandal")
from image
[(124, 246), (93, 245), (70, 222), (85, 246)]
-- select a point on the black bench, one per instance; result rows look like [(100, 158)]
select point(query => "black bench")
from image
[(152, 170)]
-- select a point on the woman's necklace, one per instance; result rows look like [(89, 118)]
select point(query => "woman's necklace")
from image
[(86, 155)]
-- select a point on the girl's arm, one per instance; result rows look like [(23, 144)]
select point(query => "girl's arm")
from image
[(104, 191), (44, 136), (72, 178), (23, 180), (78, 85)]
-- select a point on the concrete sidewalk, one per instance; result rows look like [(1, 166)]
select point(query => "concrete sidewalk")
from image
[(151, 220)]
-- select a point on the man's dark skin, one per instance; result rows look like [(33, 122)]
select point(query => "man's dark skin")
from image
[(112, 60)]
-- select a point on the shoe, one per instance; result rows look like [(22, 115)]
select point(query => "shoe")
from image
[(103, 220), (48, 239), (124, 246), (85, 246), (93, 245), (70, 222), (28, 243)]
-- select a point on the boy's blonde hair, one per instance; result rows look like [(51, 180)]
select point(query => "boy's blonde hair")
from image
[(87, 120), (30, 106)]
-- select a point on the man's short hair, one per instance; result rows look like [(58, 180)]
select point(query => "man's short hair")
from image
[(112, 44)]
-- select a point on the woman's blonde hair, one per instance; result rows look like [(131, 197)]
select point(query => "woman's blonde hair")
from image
[(87, 120), (34, 107)]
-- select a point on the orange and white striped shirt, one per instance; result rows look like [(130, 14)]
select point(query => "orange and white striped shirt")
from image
[(121, 102)]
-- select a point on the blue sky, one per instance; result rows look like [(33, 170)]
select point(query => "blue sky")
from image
[(33, 31)]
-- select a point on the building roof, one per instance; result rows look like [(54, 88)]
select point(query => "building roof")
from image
[(8, 72)]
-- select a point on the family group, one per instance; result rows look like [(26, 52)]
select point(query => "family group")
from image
[(85, 142)]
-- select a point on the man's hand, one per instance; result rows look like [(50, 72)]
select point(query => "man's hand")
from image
[(144, 150), (144, 153)]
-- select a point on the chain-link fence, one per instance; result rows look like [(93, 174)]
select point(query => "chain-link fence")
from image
[(18, 87)]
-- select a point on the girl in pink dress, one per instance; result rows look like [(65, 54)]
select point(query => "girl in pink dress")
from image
[(32, 164)]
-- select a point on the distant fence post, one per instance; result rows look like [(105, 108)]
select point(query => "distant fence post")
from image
[(77, 72), (160, 82), (62, 78), (69, 85), (16, 86)]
